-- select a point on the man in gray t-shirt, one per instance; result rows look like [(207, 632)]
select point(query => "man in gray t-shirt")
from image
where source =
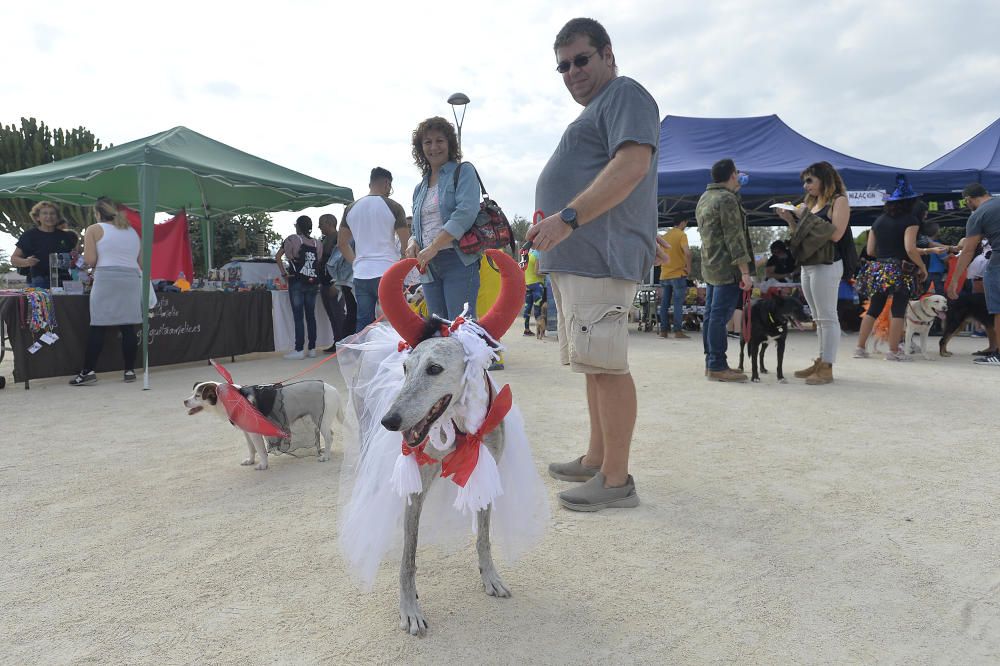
[(597, 239), (984, 222)]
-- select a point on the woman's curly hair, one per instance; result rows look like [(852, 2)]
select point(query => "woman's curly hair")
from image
[(36, 210), (438, 124)]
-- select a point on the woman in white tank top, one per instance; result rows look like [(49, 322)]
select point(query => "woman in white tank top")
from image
[(112, 247)]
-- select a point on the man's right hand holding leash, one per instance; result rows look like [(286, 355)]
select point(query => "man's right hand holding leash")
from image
[(548, 232)]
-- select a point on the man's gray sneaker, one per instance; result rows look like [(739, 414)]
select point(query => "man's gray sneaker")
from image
[(593, 496), (574, 470)]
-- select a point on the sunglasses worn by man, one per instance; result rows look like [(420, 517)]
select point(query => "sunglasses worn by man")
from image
[(579, 62)]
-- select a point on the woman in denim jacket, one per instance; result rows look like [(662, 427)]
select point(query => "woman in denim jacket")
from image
[(442, 213)]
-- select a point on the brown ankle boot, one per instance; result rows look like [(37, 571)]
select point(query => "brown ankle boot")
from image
[(808, 372), (823, 375)]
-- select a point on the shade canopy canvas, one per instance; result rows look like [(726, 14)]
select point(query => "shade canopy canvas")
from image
[(175, 169)]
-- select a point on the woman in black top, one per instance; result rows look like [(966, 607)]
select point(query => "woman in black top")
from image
[(826, 197), (36, 244), (896, 270)]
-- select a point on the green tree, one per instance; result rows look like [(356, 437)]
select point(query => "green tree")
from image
[(5, 265), (246, 234), (519, 225), (695, 263), (29, 145), (951, 235)]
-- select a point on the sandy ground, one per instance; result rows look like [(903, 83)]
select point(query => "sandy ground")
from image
[(852, 523)]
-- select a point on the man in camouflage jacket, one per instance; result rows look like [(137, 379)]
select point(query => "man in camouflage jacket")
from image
[(726, 259)]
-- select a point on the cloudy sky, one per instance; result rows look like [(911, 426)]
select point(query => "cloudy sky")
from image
[(332, 89)]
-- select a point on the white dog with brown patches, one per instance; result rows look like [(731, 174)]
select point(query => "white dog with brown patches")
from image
[(314, 400)]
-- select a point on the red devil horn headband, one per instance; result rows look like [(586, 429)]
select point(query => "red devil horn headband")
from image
[(410, 325)]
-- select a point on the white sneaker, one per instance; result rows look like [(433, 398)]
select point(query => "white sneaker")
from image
[(898, 356), (860, 352), (295, 355), (311, 353)]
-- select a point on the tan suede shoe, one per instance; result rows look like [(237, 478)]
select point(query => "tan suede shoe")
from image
[(823, 375)]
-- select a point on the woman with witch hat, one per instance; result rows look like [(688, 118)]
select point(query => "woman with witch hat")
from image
[(897, 271)]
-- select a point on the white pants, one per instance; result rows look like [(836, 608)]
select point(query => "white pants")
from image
[(820, 285)]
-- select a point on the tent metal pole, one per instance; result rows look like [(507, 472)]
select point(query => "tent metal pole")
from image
[(147, 210), (208, 236), (206, 243)]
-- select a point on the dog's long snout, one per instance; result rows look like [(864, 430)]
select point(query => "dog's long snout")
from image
[(392, 420)]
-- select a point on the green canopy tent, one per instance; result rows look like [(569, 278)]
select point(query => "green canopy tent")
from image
[(168, 171)]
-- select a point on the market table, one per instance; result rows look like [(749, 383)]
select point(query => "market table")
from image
[(189, 326)]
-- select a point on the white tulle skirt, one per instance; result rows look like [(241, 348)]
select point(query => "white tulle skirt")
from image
[(371, 518)]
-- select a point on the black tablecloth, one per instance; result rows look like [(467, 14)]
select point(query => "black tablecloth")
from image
[(192, 326)]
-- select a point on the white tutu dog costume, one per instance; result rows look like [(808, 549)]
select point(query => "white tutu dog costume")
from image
[(386, 473)]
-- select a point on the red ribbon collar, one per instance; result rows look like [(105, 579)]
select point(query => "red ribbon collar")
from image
[(460, 463)]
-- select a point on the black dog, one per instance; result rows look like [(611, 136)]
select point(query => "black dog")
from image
[(769, 320), (966, 306)]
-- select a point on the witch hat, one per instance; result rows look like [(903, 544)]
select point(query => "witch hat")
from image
[(903, 190)]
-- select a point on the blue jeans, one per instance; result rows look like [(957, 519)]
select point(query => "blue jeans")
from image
[(454, 285), (303, 298), (674, 291), (720, 304), (532, 296), (39, 282), (366, 294)]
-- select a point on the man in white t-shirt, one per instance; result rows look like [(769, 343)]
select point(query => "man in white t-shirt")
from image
[(373, 222)]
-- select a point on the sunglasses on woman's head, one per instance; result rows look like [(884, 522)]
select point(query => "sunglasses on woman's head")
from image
[(579, 62)]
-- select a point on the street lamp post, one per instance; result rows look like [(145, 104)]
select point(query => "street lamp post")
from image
[(458, 99)]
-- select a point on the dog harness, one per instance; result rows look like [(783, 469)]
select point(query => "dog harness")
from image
[(264, 396)]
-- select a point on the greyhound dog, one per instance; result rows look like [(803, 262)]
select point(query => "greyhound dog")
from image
[(434, 378), (440, 379)]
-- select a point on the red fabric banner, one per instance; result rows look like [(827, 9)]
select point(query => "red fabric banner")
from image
[(171, 246)]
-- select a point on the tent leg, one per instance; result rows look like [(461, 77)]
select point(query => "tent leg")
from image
[(147, 210), (207, 246)]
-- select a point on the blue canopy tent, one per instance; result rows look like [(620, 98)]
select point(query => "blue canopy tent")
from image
[(981, 153), (774, 155)]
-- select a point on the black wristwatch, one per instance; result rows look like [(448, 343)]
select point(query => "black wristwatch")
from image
[(568, 215)]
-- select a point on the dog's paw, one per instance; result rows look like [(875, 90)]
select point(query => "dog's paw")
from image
[(247, 462), (411, 618), (323, 457), (763, 371), (755, 380), (260, 467), (946, 354), (494, 585), (782, 381)]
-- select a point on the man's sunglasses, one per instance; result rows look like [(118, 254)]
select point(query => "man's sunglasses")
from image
[(580, 62)]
